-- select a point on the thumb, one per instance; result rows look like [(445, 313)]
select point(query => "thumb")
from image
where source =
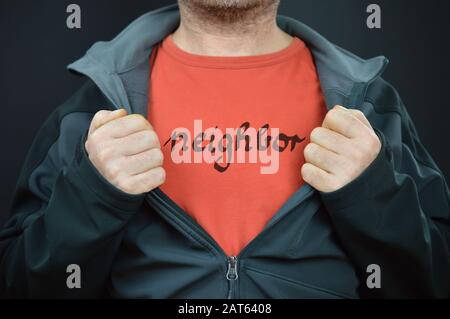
[(104, 117)]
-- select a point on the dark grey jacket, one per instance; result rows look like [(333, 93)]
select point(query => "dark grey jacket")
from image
[(395, 215)]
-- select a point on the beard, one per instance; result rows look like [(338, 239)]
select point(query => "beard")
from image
[(229, 11)]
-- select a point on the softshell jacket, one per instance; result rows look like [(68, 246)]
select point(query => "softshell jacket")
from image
[(395, 215)]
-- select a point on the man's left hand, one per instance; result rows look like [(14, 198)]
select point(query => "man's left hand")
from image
[(340, 150)]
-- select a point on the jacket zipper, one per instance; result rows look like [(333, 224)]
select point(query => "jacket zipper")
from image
[(232, 275), (180, 219)]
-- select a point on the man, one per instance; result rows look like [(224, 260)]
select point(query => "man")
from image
[(228, 154)]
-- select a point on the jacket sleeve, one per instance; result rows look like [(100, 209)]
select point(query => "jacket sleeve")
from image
[(396, 215), (63, 212)]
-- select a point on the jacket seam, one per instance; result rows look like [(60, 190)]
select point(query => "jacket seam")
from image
[(136, 64), (300, 283), (337, 90), (192, 236)]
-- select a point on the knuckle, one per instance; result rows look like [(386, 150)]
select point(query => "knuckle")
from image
[(333, 113), (307, 152), (159, 175), (375, 143), (163, 175), (93, 138), (333, 116), (316, 133), (143, 121), (369, 150), (310, 150), (104, 154), (151, 138), (137, 117), (113, 170), (100, 114), (329, 116), (149, 135), (307, 172), (98, 140), (158, 157), (358, 113), (139, 120)]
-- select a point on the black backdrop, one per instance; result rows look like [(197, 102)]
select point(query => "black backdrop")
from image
[(36, 45)]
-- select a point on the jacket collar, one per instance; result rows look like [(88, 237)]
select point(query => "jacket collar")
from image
[(344, 77)]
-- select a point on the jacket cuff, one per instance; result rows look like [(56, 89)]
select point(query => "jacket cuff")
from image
[(377, 175), (103, 189)]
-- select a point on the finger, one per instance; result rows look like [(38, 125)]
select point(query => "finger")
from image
[(317, 178), (138, 142), (360, 116), (146, 182), (125, 126), (143, 162), (322, 158), (343, 122), (104, 117), (331, 140)]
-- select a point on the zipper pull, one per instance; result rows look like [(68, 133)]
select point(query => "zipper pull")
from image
[(232, 268)]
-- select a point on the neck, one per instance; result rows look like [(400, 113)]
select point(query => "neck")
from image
[(230, 31)]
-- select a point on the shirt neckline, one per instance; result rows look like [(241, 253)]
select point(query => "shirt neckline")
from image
[(231, 62)]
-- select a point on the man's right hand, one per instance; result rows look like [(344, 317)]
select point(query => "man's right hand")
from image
[(126, 151)]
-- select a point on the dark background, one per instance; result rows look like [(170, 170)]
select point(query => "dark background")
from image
[(36, 46)]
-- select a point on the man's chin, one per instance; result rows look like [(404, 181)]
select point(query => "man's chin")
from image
[(229, 4), (229, 11)]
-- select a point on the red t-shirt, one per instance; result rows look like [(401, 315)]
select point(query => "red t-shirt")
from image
[(233, 131)]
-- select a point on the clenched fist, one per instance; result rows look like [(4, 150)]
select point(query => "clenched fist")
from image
[(126, 151), (340, 150)]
